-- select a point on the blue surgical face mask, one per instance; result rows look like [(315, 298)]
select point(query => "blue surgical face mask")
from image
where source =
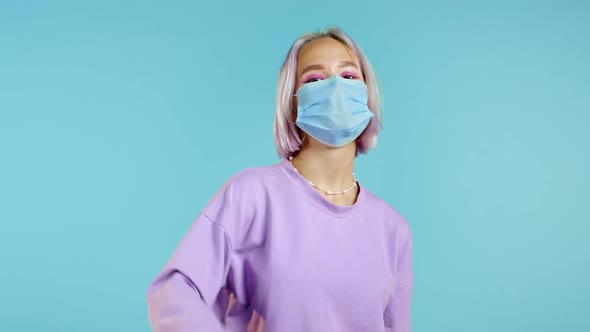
[(334, 111)]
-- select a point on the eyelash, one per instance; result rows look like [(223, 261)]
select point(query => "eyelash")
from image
[(317, 78), (311, 79)]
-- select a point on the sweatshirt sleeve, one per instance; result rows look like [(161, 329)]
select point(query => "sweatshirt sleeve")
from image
[(188, 294), (192, 291), (397, 313)]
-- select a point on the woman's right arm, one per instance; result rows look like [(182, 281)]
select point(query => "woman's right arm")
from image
[(188, 294)]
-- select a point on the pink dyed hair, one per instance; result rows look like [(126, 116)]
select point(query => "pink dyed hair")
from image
[(286, 133)]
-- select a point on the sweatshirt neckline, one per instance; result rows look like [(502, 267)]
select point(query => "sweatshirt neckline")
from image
[(319, 201)]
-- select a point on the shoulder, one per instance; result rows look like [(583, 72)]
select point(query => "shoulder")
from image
[(391, 217), (244, 188), (237, 204), (397, 235), (252, 177)]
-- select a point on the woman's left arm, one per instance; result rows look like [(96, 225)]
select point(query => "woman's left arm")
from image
[(397, 315)]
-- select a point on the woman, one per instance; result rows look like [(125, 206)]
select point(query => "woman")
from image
[(299, 245)]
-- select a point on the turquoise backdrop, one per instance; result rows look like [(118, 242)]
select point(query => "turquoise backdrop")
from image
[(119, 120)]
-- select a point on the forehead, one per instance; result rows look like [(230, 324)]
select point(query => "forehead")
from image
[(324, 51)]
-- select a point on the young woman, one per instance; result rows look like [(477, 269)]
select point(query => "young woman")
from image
[(299, 245)]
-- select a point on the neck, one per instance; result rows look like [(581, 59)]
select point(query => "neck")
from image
[(330, 168)]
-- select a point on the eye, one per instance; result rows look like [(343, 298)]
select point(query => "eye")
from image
[(314, 77), (349, 76), (310, 80)]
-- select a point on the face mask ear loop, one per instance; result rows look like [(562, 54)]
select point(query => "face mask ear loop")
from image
[(295, 95), (303, 140)]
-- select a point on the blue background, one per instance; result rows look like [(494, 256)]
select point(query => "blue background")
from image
[(120, 120)]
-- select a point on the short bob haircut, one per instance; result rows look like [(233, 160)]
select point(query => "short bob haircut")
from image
[(286, 134)]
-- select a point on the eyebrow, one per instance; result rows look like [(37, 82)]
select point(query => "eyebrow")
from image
[(320, 67)]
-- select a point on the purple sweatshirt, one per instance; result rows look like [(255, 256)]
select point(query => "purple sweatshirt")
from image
[(290, 259)]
